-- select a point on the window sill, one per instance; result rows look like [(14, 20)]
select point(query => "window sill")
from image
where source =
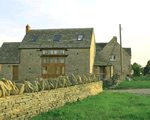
[(112, 60)]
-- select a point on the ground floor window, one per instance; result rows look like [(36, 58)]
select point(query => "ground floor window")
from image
[(53, 67)]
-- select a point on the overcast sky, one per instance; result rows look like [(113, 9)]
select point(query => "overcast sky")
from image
[(103, 15)]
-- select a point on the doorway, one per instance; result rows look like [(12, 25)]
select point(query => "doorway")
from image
[(15, 72)]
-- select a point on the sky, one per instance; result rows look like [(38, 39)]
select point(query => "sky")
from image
[(102, 15)]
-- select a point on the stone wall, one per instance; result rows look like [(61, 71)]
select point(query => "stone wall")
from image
[(77, 62), (7, 71), (28, 105)]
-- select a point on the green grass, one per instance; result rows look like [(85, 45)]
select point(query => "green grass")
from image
[(141, 82), (104, 106)]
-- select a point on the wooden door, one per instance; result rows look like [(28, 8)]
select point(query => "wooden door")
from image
[(15, 72)]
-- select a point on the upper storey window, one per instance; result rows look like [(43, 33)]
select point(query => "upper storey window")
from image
[(112, 57), (57, 37), (34, 38), (80, 37)]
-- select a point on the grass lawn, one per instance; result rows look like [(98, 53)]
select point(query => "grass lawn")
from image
[(104, 106), (141, 82)]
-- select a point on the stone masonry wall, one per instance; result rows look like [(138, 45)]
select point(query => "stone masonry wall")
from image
[(7, 71), (28, 105), (77, 62), (30, 64)]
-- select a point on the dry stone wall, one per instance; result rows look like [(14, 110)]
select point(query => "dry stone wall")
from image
[(27, 105)]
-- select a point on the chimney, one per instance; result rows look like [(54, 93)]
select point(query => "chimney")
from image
[(115, 38), (27, 29)]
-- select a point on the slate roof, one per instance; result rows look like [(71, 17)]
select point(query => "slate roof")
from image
[(100, 46), (100, 59), (68, 38), (9, 52)]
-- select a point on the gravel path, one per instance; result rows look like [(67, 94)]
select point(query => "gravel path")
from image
[(134, 91)]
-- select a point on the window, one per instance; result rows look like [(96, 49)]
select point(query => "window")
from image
[(62, 52), (62, 60), (62, 70), (51, 69), (44, 60), (44, 51), (57, 69), (56, 51), (44, 69), (80, 37), (50, 60), (57, 37), (34, 38), (112, 57), (56, 60), (50, 52)]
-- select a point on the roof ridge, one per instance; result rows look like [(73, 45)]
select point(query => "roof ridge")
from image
[(61, 28), (11, 42)]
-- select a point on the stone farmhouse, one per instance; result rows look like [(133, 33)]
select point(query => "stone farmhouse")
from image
[(49, 53)]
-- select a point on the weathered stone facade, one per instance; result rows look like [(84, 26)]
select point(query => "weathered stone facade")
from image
[(113, 48), (77, 62), (7, 71)]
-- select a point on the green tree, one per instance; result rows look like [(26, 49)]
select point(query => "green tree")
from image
[(148, 65), (146, 70), (136, 69)]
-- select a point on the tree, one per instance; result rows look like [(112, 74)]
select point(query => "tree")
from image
[(136, 69), (146, 70), (148, 65)]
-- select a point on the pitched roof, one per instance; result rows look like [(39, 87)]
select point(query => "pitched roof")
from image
[(9, 52), (128, 50), (68, 38), (100, 59), (102, 45)]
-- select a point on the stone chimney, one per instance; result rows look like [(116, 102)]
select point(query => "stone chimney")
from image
[(27, 28), (115, 38)]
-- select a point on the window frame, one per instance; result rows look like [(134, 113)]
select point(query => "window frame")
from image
[(53, 51), (56, 36), (35, 38), (112, 57), (61, 65), (82, 37)]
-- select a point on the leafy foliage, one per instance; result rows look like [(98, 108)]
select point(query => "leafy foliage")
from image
[(146, 70), (137, 69)]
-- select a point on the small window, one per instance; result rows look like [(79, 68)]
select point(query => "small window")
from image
[(56, 51), (50, 51), (44, 69), (62, 52), (34, 38), (44, 51), (80, 37), (50, 60), (57, 37), (56, 60), (44, 60), (112, 57), (62, 60)]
